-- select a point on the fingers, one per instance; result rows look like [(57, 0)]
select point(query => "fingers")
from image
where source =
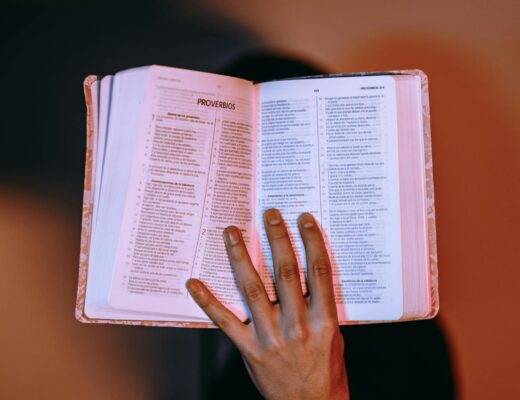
[(285, 266), (319, 271), (248, 281), (218, 313)]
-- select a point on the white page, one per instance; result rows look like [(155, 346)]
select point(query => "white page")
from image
[(191, 177), (101, 139), (126, 99), (95, 94), (329, 146)]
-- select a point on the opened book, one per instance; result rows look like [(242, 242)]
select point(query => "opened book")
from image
[(175, 156)]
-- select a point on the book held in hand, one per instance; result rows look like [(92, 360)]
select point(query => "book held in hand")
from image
[(174, 156)]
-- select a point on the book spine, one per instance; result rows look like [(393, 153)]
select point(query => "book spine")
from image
[(430, 195), (86, 220)]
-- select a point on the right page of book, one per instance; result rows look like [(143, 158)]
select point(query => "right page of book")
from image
[(329, 146)]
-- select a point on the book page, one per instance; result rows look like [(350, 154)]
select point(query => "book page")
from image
[(329, 146), (100, 137), (126, 97), (191, 177)]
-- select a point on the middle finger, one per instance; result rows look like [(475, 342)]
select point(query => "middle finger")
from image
[(292, 302)]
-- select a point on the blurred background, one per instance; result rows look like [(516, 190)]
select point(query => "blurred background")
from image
[(470, 51)]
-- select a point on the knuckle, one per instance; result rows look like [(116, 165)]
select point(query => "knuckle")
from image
[(253, 292), (288, 272), (273, 345), (327, 327), (298, 333), (222, 323), (328, 332), (278, 233), (322, 268)]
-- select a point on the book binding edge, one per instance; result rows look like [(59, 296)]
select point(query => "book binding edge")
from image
[(430, 194), (86, 217)]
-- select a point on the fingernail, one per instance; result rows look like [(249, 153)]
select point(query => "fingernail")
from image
[(272, 216), (232, 236), (192, 286), (307, 220)]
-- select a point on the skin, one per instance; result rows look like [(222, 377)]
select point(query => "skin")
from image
[(292, 349)]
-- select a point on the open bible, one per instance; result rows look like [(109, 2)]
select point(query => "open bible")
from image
[(174, 156)]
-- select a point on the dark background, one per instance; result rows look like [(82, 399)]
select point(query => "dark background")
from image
[(48, 48)]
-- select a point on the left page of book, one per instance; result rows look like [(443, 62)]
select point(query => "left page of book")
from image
[(113, 110), (192, 175)]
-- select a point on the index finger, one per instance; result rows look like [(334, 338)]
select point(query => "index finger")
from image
[(319, 269), (249, 282), (218, 313)]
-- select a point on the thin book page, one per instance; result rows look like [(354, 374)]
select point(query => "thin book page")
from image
[(192, 176), (100, 130), (329, 146)]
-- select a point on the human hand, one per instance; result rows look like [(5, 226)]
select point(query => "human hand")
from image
[(292, 349)]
